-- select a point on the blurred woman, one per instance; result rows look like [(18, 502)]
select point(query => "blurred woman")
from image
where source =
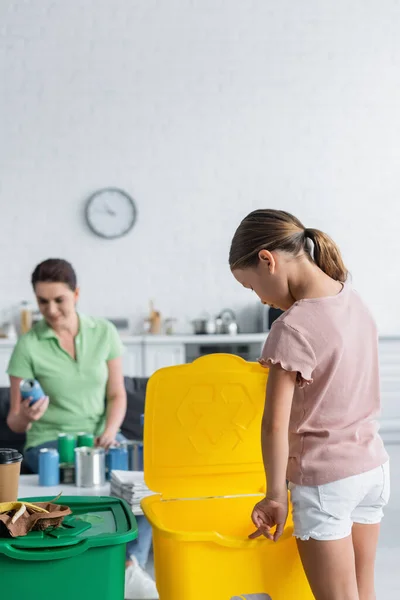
[(78, 362)]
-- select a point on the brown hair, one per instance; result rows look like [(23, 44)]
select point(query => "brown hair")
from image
[(279, 230), (55, 270)]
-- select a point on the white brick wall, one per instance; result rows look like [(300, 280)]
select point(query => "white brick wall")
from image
[(203, 110)]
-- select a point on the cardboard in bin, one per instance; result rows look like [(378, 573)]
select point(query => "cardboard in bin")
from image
[(203, 456)]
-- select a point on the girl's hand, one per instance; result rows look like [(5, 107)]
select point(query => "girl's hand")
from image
[(107, 439), (268, 514), (36, 411)]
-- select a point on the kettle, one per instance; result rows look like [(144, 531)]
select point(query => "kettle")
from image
[(229, 323)]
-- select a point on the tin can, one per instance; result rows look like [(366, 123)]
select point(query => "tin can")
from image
[(116, 460), (30, 388), (135, 454), (49, 467), (66, 448), (85, 439), (90, 469), (67, 473)]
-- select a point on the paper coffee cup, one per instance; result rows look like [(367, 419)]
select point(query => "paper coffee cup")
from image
[(10, 467)]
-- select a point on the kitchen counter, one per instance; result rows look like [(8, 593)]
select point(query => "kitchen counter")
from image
[(246, 338)]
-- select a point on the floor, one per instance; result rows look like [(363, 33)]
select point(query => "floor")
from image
[(388, 560)]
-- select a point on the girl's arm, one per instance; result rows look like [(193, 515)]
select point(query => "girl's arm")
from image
[(116, 402), (275, 430), (272, 511)]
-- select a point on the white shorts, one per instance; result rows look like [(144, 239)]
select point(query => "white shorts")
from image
[(327, 512)]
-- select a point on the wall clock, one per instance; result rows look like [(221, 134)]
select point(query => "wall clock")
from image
[(110, 213)]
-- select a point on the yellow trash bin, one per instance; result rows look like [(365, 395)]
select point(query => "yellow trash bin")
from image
[(203, 457)]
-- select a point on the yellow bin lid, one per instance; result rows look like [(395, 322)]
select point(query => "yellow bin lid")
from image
[(202, 428)]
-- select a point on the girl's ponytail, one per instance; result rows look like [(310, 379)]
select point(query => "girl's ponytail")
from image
[(279, 230), (327, 255)]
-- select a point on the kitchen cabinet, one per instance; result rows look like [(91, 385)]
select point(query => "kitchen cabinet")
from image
[(132, 360), (6, 349), (389, 359), (159, 355)]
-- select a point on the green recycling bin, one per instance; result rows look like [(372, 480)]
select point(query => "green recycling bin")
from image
[(84, 559)]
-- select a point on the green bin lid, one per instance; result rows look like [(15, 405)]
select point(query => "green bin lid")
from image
[(95, 521)]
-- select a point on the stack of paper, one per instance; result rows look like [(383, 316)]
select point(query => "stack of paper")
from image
[(130, 486)]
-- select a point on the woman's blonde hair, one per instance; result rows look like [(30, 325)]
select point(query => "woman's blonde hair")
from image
[(271, 230)]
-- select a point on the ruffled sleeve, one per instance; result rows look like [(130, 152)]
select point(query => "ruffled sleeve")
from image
[(289, 348)]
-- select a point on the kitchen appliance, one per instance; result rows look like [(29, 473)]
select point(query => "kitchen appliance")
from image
[(229, 323), (204, 326), (250, 351)]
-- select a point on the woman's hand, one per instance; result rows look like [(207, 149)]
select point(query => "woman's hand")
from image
[(107, 439), (36, 411), (268, 514)]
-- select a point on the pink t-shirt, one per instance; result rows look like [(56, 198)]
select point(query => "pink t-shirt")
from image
[(332, 344)]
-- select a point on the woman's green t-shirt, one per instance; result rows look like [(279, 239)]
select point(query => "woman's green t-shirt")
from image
[(76, 387)]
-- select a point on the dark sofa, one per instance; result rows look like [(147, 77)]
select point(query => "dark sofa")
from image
[(131, 427)]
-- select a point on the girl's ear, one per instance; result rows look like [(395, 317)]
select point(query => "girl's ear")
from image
[(267, 260)]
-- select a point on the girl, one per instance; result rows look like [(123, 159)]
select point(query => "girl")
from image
[(323, 389)]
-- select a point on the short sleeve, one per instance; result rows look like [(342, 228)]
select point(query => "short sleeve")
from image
[(289, 348), (115, 346), (20, 364)]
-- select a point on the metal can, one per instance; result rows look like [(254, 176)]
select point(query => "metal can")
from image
[(30, 388), (85, 439), (49, 467), (67, 473), (116, 460), (135, 454), (90, 469), (66, 448)]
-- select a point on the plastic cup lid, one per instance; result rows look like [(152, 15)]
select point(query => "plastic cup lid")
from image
[(9, 456)]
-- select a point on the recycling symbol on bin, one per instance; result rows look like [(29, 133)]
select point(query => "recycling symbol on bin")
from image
[(216, 418)]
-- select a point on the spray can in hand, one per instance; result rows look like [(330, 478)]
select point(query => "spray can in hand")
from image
[(30, 388)]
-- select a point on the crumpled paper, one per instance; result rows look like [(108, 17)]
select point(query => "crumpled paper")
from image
[(30, 520)]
